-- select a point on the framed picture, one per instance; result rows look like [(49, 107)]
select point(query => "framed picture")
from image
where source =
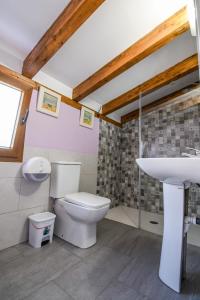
[(87, 117), (48, 102)]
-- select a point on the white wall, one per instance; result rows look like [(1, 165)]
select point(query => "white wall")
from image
[(19, 199)]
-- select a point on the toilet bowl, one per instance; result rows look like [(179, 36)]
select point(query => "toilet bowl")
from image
[(77, 213), (77, 216)]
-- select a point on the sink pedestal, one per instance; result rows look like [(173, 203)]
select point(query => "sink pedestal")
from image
[(171, 262), (176, 174)]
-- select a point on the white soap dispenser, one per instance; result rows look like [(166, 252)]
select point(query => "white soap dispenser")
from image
[(36, 169)]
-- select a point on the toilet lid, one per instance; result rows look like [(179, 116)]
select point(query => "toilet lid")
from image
[(87, 200)]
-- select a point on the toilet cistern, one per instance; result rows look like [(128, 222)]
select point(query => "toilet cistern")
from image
[(176, 174)]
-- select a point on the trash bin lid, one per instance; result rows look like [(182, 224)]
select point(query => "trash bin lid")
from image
[(42, 217)]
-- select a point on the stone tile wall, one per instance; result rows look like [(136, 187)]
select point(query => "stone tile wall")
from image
[(165, 133), (109, 162)]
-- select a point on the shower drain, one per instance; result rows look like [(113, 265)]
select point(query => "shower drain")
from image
[(153, 222)]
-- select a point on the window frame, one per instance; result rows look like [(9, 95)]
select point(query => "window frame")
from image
[(15, 154)]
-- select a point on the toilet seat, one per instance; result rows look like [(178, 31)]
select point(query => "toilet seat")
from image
[(87, 200)]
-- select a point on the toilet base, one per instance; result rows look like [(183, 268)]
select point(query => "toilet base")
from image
[(74, 232)]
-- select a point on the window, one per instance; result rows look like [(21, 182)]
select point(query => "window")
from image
[(10, 104), (14, 104)]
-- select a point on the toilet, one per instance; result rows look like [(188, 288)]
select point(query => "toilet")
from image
[(77, 213)]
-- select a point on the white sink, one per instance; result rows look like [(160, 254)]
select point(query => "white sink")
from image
[(176, 175), (181, 169)]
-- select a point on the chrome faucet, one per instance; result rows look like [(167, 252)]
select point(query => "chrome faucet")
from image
[(197, 152)]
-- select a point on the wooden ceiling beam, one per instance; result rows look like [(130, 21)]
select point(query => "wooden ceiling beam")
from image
[(159, 103), (154, 40), (4, 71), (177, 71), (109, 120), (72, 17)]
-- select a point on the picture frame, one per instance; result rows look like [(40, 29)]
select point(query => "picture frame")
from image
[(48, 102), (87, 117)]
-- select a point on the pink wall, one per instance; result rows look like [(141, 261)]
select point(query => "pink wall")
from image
[(63, 132)]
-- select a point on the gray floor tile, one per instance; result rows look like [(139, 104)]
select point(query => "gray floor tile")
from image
[(108, 231), (8, 255), (87, 279), (122, 265), (83, 282), (109, 224), (142, 275), (49, 292), (26, 274), (26, 250), (134, 242), (108, 259), (118, 291)]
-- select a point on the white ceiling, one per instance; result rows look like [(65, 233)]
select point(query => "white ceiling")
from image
[(114, 26), (147, 68), (111, 29), (23, 23), (162, 92)]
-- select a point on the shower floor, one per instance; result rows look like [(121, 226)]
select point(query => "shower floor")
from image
[(124, 214), (130, 216)]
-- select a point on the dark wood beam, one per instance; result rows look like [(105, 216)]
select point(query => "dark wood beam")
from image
[(72, 17), (159, 103), (109, 120), (154, 40), (181, 69), (4, 71)]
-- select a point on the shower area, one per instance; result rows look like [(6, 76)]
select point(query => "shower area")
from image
[(164, 123), (165, 129)]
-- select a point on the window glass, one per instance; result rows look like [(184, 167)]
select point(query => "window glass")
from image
[(10, 104)]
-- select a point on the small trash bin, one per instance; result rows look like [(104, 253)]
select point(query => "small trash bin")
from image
[(41, 229)]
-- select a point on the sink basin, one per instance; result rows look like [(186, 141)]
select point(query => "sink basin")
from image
[(176, 175), (177, 168)]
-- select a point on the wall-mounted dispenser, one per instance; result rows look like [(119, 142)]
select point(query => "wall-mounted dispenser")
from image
[(36, 169)]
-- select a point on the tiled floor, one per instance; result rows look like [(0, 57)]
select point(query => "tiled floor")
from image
[(123, 265)]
